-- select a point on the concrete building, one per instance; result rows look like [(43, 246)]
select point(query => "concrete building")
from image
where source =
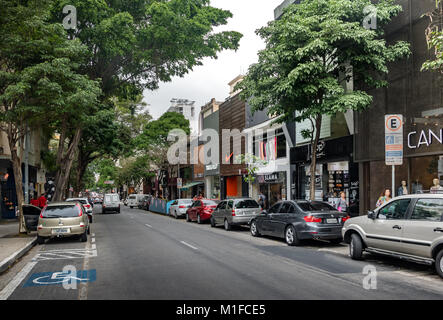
[(187, 109)]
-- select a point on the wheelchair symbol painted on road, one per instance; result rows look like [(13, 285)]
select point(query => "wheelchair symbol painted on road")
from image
[(60, 278)]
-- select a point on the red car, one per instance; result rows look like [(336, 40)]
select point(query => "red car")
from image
[(201, 210)]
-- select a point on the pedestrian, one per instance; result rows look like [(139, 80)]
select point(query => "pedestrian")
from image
[(34, 200), (342, 204), (42, 201), (262, 200), (384, 198)]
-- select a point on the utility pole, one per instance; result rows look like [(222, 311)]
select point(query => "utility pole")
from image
[(26, 149)]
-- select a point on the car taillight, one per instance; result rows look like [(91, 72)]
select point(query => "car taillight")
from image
[(233, 213), (345, 218), (40, 227), (82, 225), (182, 207), (41, 212), (80, 212), (312, 219), (87, 206)]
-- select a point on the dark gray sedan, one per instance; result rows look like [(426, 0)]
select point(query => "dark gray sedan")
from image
[(298, 220)]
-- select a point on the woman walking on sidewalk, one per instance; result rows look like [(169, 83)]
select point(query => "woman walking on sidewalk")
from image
[(384, 198), (342, 204)]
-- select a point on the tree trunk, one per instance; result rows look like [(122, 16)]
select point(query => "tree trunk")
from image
[(65, 164), (17, 169), (314, 145)]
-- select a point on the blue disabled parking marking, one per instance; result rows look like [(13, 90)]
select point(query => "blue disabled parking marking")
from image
[(60, 277)]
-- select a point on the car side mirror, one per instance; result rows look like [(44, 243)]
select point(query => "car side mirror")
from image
[(372, 215)]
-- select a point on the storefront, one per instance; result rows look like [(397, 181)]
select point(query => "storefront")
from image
[(336, 172), (212, 181), (273, 186), (7, 190)]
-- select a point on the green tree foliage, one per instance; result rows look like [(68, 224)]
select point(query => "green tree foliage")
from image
[(434, 38), (39, 78), (135, 45), (311, 52)]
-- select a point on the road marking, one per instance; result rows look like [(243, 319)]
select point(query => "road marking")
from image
[(190, 246), (83, 291), (149, 226), (10, 288), (93, 240)]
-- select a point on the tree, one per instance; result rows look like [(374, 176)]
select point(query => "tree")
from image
[(434, 38), (310, 52), (38, 78), (153, 141), (134, 45)]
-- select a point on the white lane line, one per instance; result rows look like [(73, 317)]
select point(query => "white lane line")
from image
[(93, 234), (10, 288), (93, 247), (190, 246), (148, 225), (93, 240)]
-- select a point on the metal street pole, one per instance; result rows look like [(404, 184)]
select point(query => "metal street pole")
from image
[(393, 182), (26, 164)]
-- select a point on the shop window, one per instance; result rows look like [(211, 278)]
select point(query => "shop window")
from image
[(270, 147)]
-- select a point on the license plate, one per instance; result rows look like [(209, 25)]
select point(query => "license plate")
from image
[(331, 221), (60, 230)]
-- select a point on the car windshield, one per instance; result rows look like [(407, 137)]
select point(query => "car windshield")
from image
[(60, 211), (315, 206), (246, 204), (112, 197)]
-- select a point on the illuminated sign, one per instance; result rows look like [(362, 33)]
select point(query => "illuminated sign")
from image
[(424, 138)]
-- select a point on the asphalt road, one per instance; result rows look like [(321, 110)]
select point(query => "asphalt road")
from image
[(141, 255)]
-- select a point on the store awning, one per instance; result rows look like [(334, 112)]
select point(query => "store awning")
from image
[(192, 184)]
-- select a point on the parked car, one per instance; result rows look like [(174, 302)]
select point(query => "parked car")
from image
[(408, 227), (201, 210), (111, 203), (63, 219), (86, 204), (134, 200), (179, 207), (146, 202), (235, 212), (299, 220)]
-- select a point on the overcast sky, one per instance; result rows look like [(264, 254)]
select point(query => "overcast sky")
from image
[(211, 80)]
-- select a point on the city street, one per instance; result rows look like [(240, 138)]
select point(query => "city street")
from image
[(141, 255)]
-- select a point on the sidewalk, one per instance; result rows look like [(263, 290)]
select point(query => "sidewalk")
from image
[(12, 245)]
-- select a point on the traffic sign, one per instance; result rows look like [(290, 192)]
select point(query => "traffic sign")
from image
[(394, 139)]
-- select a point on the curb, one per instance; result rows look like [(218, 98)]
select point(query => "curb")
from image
[(9, 261)]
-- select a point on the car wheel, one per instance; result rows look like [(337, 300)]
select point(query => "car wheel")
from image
[(227, 225), (213, 222), (175, 215), (199, 221), (336, 241), (90, 219), (356, 247), (254, 229), (291, 236), (187, 218), (439, 264), (40, 240), (84, 237), (131, 207), (89, 230)]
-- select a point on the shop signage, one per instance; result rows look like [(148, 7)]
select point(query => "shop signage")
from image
[(271, 178), (211, 167), (424, 138), (394, 139)]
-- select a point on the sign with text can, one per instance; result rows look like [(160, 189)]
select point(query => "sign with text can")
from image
[(394, 139)]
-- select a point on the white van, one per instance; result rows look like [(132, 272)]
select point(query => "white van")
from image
[(135, 199), (111, 202)]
